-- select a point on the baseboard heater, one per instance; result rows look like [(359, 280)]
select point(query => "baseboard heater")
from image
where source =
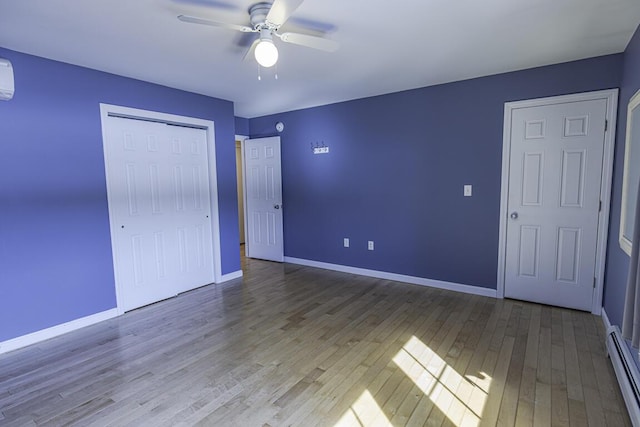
[(626, 372)]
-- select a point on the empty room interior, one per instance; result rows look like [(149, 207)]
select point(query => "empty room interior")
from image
[(319, 213)]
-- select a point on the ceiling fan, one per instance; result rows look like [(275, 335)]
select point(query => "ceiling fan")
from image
[(265, 19)]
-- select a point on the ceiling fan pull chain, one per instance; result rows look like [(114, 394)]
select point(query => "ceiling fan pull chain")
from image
[(259, 77)]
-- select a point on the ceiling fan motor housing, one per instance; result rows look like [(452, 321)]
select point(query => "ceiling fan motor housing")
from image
[(258, 13)]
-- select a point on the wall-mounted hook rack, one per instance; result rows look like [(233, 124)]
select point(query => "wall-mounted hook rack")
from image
[(319, 148)]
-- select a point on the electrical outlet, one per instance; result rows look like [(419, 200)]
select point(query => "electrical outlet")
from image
[(467, 190), (346, 242), (370, 245)]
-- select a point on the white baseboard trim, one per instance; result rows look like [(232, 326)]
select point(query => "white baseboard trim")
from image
[(54, 331), (605, 319), (467, 289), (231, 276)]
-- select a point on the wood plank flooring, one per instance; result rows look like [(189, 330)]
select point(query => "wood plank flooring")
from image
[(296, 346)]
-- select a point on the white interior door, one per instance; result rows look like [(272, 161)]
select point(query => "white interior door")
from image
[(158, 185), (263, 180), (555, 172)]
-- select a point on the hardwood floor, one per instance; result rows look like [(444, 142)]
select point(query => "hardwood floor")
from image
[(290, 345)]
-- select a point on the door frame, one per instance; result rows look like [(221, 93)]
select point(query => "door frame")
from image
[(611, 96), (247, 240), (108, 110), (242, 139)]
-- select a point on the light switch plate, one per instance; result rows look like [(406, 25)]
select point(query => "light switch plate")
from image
[(346, 242), (370, 245), (467, 190)]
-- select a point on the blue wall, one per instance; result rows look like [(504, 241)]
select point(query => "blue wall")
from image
[(55, 247), (617, 259), (394, 175), (242, 126), (396, 170)]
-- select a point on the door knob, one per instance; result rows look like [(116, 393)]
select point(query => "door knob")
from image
[(276, 206), (514, 215)]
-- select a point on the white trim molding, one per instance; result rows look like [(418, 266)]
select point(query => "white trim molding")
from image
[(107, 110), (456, 287), (625, 242), (605, 319), (611, 96), (54, 331), (230, 276), (242, 139)]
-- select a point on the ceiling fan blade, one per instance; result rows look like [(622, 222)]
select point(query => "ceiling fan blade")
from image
[(281, 10), (209, 3), (245, 40), (249, 53), (305, 24), (194, 20), (310, 41)]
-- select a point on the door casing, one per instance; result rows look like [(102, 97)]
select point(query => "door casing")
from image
[(248, 229), (107, 110), (611, 96), (242, 139)]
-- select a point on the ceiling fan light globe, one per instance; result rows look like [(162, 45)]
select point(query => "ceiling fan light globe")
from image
[(266, 53)]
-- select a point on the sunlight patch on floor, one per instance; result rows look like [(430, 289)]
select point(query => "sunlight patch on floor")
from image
[(461, 399), (364, 412)]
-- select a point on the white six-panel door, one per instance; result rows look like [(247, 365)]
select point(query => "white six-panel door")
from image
[(263, 181), (158, 183), (555, 174)]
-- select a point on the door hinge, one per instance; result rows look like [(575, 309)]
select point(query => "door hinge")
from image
[(594, 283), (606, 125), (600, 206)]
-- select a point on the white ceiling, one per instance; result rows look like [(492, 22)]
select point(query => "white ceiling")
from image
[(386, 46)]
